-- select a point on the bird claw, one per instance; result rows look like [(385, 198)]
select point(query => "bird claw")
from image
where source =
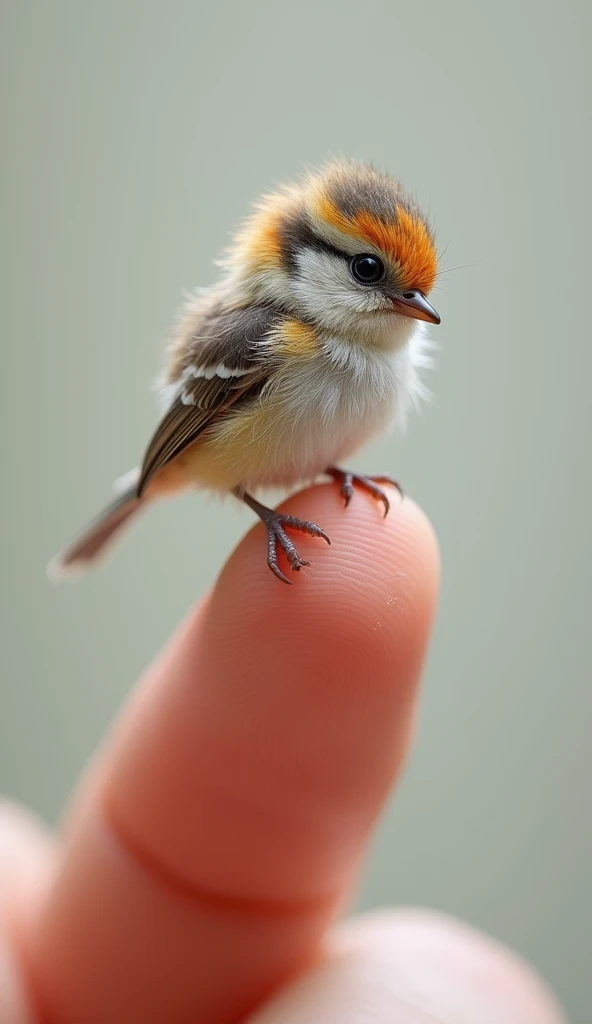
[(347, 480), (276, 534)]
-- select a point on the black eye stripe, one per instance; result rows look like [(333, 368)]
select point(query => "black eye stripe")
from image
[(327, 247), (297, 235), (322, 246)]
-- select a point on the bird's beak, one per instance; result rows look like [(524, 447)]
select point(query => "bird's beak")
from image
[(415, 304)]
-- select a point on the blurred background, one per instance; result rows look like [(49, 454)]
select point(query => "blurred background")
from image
[(134, 136)]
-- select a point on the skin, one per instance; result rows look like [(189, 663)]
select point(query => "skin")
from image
[(217, 833)]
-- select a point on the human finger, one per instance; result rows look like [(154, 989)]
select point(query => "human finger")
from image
[(230, 810), (411, 967)]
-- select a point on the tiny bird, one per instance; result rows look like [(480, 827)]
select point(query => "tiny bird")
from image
[(309, 344)]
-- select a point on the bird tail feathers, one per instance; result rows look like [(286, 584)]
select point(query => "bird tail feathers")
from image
[(96, 538)]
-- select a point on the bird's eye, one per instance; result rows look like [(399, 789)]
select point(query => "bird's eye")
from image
[(367, 269)]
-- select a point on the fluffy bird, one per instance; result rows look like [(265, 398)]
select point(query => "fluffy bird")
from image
[(310, 343)]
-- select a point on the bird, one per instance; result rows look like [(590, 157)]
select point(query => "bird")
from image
[(312, 341)]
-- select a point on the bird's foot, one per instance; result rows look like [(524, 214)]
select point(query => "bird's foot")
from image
[(276, 524), (348, 482), (276, 534)]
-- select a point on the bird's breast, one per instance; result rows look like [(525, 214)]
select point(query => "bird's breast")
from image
[(315, 411)]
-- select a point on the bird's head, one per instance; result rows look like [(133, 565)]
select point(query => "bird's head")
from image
[(347, 248)]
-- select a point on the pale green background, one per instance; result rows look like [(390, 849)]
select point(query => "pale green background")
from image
[(135, 134)]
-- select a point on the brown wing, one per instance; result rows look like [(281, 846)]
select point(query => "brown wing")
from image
[(230, 363), (182, 424)]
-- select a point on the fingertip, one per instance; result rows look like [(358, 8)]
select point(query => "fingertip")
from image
[(399, 965), (374, 589), (481, 973), (27, 847), (27, 858)]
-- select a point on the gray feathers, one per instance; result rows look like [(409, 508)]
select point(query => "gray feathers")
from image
[(230, 337), (356, 188)]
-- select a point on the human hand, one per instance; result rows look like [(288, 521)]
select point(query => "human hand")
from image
[(220, 828)]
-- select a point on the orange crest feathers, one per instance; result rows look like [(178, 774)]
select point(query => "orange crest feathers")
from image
[(406, 240)]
